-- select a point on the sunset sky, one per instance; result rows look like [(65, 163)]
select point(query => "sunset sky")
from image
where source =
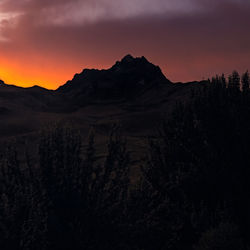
[(45, 42)]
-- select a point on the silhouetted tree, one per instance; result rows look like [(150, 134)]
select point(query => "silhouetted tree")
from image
[(234, 81), (245, 81), (223, 81), (71, 200), (200, 158)]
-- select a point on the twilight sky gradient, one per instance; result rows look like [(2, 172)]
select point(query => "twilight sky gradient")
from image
[(45, 42)]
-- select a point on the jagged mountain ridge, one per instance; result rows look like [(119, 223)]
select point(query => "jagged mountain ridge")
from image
[(127, 79), (134, 92)]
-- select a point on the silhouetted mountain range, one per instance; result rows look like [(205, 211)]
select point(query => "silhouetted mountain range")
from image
[(132, 91), (127, 79)]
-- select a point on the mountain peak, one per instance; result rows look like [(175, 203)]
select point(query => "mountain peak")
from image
[(127, 58), (128, 78)]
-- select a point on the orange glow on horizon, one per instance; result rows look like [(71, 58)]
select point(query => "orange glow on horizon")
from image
[(30, 75), (23, 78), (49, 76), (53, 72)]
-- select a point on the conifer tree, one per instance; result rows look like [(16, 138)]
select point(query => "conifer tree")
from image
[(223, 81), (234, 81), (245, 81)]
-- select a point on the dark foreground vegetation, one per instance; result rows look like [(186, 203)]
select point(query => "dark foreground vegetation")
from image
[(194, 191)]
